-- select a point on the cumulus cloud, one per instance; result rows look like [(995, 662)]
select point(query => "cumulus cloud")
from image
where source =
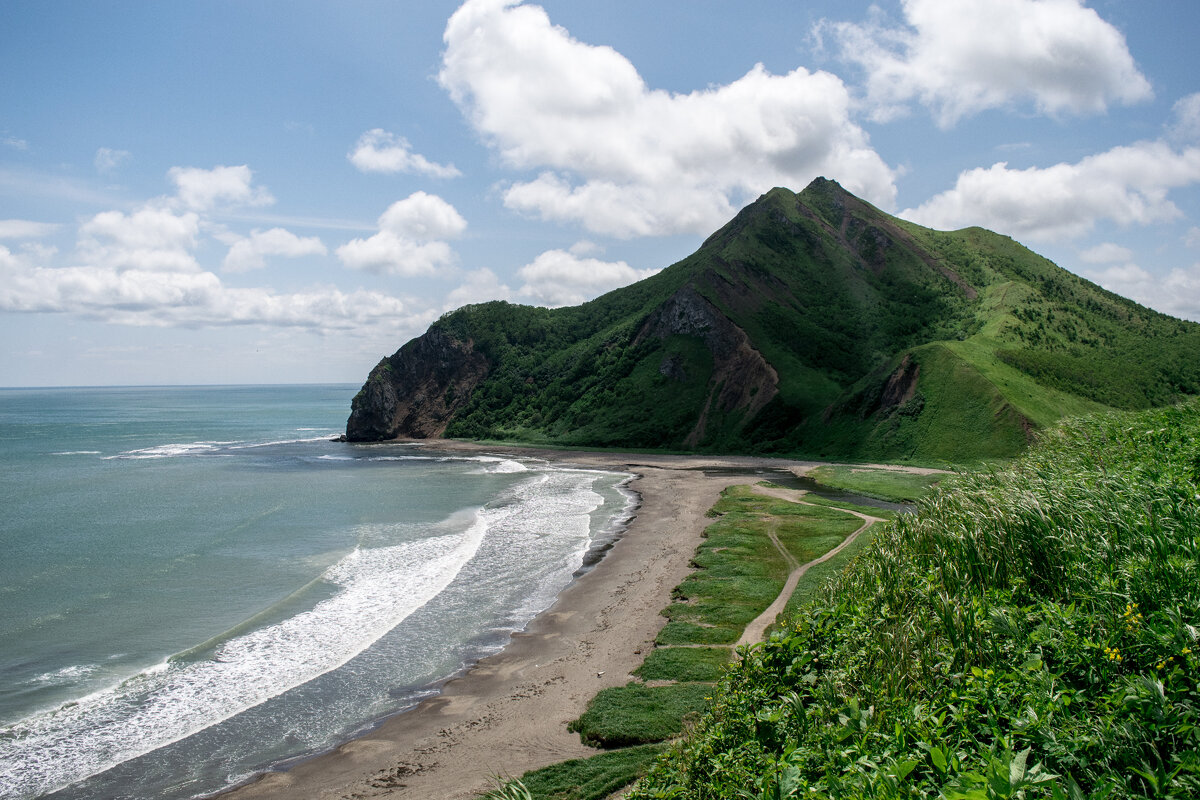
[(623, 159), (1125, 185), (161, 299), (9, 263), (108, 159), (138, 268), (563, 278), (1181, 291), (25, 229), (251, 252), (1106, 253), (389, 254), (1177, 294), (480, 286), (423, 217), (1185, 126), (960, 57), (378, 150), (206, 189), (150, 239), (410, 240)]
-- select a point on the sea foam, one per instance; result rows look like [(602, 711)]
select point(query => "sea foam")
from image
[(378, 588), (525, 545)]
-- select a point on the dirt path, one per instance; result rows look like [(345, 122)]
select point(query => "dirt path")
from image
[(756, 630), (772, 533)]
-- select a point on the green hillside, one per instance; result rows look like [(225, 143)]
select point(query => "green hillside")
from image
[(812, 324), (1029, 633)]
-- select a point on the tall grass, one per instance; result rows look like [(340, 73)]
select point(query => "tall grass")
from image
[(1031, 633)]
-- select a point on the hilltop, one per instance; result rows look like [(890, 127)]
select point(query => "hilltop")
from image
[(811, 323)]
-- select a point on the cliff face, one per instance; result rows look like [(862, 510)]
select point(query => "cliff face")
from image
[(741, 380), (811, 323), (415, 392)]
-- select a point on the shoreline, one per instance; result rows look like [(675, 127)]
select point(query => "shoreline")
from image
[(508, 712)]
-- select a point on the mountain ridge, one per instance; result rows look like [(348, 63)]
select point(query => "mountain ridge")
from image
[(810, 324)]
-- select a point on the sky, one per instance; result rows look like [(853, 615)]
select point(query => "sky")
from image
[(259, 191)]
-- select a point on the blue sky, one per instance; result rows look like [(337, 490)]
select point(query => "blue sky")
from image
[(266, 192)]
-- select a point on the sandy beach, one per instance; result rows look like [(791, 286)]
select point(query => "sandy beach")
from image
[(509, 713)]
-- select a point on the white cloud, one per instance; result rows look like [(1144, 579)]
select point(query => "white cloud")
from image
[(8, 262), (151, 238), (585, 248), (378, 150), (1185, 125), (251, 252), (1125, 185), (423, 217), (108, 159), (1182, 292), (1192, 238), (626, 160), (189, 299), (1177, 294), (389, 254), (160, 299), (14, 143), (205, 189), (480, 286), (410, 238), (25, 229), (138, 268), (960, 57), (1106, 253), (561, 278), (623, 209)]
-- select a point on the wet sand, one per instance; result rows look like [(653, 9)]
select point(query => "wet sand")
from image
[(509, 712)]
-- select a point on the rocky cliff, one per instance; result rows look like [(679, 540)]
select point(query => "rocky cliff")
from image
[(415, 392)]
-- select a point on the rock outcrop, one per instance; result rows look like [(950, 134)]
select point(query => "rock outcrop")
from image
[(414, 392), (742, 380)]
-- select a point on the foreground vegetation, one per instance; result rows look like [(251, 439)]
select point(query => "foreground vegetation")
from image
[(741, 567), (1031, 633), (748, 551)]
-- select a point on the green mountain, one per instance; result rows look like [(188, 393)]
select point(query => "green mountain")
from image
[(811, 324)]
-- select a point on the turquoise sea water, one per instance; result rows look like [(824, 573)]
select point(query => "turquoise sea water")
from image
[(198, 584)]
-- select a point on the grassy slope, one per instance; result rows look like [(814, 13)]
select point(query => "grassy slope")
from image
[(818, 576), (883, 484), (637, 713), (1029, 633)]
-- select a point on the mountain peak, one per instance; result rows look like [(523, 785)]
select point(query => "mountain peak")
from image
[(812, 324)]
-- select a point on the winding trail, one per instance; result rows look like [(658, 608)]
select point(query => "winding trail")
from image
[(756, 630)]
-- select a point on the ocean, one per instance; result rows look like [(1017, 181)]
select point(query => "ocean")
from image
[(198, 584)]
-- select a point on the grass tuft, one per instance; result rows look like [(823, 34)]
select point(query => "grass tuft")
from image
[(684, 664), (638, 714)]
